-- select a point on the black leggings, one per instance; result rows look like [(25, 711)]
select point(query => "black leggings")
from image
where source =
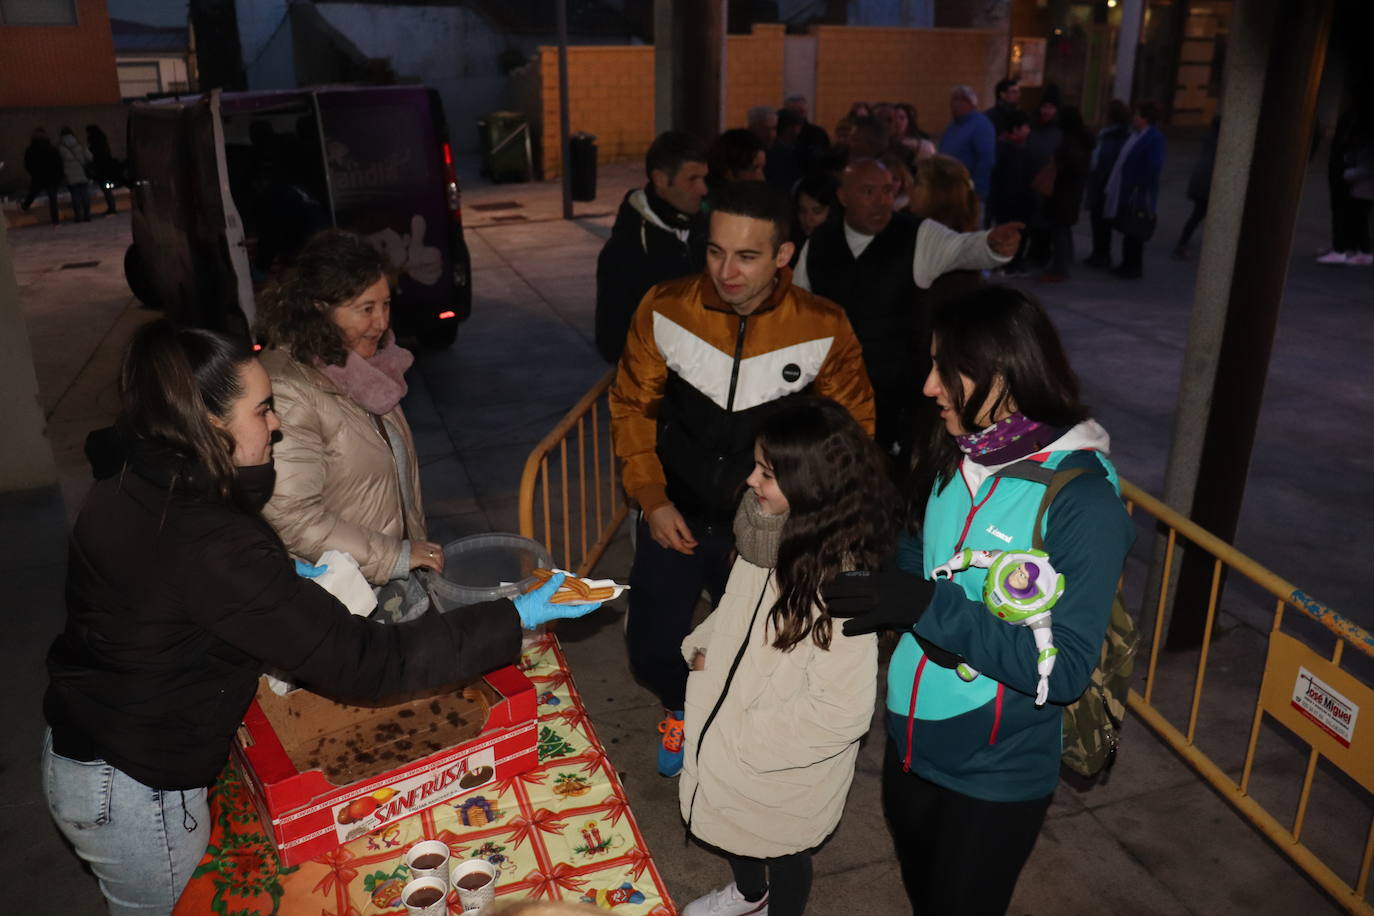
[(1349, 217), (958, 854), (787, 880), (1194, 220)]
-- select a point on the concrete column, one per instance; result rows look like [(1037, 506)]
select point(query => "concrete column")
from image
[(667, 38), (26, 460), (1274, 63), (1127, 41), (565, 159), (219, 59), (703, 70)]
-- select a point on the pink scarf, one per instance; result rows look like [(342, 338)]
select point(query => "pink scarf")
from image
[(376, 384)]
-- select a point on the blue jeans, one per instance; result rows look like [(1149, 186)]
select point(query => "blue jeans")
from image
[(81, 201), (664, 588), (141, 843)]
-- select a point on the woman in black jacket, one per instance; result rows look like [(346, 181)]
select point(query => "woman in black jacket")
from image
[(179, 594)]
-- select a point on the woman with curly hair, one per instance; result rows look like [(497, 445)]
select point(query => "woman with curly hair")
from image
[(347, 474), (776, 701)]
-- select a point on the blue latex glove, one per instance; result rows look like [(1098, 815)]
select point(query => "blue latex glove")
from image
[(534, 607), (310, 572)]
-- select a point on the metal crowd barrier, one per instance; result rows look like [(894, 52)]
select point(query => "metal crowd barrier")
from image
[(571, 485), (1313, 696)]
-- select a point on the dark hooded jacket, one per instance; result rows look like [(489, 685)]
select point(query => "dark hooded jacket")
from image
[(43, 162), (177, 600), (650, 243)]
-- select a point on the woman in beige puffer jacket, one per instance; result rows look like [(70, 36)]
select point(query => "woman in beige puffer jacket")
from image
[(347, 474)]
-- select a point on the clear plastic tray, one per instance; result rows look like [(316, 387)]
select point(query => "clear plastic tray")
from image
[(484, 567)]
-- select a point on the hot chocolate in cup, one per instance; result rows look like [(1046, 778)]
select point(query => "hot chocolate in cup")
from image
[(475, 881), (429, 859), (426, 896)]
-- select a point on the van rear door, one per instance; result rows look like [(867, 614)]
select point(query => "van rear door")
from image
[(224, 254), (386, 176), (188, 240)]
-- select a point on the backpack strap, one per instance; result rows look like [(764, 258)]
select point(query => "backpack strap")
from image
[(1033, 471), (1058, 481)]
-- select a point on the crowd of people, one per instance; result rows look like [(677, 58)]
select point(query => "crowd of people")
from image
[(819, 400), (808, 355), (73, 165)]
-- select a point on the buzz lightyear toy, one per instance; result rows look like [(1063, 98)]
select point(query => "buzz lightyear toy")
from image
[(1021, 588)]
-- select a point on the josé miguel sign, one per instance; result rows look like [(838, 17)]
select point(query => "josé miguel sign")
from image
[(1328, 709)]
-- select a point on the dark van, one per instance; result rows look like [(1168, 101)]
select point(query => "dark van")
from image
[(227, 187)]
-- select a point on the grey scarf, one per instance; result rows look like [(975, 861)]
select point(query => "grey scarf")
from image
[(757, 535)]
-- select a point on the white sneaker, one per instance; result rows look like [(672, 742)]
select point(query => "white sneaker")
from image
[(726, 901), (1360, 259), (1334, 258)]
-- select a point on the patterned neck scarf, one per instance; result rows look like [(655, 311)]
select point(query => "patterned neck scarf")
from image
[(1009, 439)]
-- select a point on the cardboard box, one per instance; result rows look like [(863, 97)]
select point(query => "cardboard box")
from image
[(323, 773)]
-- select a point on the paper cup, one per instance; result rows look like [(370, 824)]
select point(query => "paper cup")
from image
[(429, 859), (475, 881), (426, 896)]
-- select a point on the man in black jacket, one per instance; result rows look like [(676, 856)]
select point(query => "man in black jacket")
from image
[(659, 235), (1008, 100), (44, 165), (877, 265)]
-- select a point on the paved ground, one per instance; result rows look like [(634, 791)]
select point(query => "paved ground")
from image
[(1151, 840)]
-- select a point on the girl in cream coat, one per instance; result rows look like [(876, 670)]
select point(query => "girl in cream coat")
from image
[(777, 699)]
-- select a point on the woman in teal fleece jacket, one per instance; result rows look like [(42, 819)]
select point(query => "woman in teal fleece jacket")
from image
[(973, 765)]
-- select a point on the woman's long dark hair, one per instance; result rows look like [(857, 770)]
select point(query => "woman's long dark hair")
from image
[(172, 381), (333, 267), (842, 510), (991, 334)]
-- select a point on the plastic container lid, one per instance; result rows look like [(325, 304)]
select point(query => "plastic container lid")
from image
[(484, 567)]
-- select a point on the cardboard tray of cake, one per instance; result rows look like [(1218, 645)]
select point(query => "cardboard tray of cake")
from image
[(323, 773)]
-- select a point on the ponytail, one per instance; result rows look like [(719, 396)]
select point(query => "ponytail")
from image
[(172, 382)]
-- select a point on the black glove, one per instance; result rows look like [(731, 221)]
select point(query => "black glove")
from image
[(942, 657), (884, 599)]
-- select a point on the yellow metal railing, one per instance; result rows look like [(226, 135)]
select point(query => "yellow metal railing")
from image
[(1307, 692), (571, 483)]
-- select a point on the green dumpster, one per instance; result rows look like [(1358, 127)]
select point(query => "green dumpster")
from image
[(505, 144)]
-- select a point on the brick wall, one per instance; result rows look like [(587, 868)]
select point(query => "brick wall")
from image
[(919, 66), (59, 65), (611, 88), (610, 94), (753, 72)]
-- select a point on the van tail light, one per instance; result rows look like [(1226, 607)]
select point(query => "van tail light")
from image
[(443, 315), (455, 197)]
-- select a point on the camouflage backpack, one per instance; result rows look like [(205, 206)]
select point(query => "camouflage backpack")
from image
[(1092, 723)]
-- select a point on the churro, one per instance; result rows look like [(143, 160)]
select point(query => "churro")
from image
[(574, 590)]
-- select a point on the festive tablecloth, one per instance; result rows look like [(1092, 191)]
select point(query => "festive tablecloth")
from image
[(561, 831)]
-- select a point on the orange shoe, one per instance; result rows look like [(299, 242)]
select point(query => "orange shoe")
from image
[(670, 751)]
